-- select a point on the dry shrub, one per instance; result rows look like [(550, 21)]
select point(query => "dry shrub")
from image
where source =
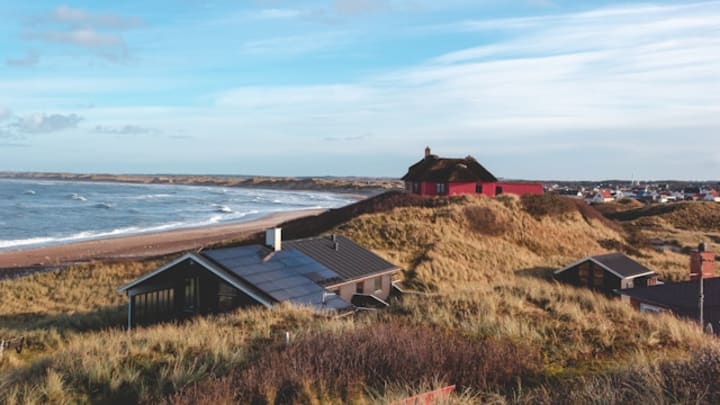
[(693, 381), (485, 221), (546, 205), (344, 366)]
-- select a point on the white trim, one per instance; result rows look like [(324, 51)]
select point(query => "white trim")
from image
[(208, 266), (592, 259)]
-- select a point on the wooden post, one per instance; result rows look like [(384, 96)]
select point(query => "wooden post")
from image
[(131, 301)]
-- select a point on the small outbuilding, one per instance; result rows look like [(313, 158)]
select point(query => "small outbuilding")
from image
[(606, 273)]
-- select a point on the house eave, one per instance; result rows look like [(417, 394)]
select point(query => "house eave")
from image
[(363, 278), (647, 273), (208, 266)]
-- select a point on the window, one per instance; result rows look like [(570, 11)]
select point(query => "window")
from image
[(359, 288), (498, 190), (440, 188), (416, 187), (478, 188), (192, 294), (378, 283)]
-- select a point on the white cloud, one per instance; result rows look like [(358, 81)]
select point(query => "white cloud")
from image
[(99, 33), (84, 18), (83, 37), (277, 14), (292, 45), (124, 130), (45, 123), (5, 113)]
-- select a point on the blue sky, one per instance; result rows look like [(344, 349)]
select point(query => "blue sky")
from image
[(539, 89)]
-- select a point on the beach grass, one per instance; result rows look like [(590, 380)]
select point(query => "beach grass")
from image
[(491, 321)]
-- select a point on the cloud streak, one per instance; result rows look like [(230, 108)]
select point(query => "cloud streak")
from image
[(99, 33), (45, 123)]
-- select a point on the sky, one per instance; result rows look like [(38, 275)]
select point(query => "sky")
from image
[(533, 89)]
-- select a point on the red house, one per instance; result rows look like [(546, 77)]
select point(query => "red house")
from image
[(434, 175)]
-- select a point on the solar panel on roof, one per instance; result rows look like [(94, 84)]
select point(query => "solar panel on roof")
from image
[(288, 275)]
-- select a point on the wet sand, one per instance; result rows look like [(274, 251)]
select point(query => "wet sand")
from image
[(13, 263)]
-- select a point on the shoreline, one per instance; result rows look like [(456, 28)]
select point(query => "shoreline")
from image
[(356, 186), (17, 263)]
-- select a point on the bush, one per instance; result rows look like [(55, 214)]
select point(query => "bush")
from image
[(345, 366), (546, 205), (484, 221)]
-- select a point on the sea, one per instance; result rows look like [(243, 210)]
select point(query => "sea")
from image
[(37, 213)]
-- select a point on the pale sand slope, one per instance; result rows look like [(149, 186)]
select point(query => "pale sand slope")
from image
[(141, 246)]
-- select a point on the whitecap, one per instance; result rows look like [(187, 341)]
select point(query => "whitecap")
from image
[(29, 192)]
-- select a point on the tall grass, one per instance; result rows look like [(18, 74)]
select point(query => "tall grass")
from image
[(493, 322)]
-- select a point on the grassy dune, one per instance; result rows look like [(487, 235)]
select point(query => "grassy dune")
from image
[(492, 322)]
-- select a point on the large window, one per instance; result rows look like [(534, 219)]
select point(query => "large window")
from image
[(416, 187), (378, 283), (441, 188), (154, 306), (192, 295)]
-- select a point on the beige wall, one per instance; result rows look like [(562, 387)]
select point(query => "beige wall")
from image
[(346, 291)]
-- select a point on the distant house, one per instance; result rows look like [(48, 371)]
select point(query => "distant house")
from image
[(434, 175), (683, 298), (712, 195), (606, 273), (325, 274), (601, 196)]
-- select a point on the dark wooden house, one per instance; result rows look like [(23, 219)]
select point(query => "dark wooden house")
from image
[(606, 273), (325, 274), (434, 175), (683, 298)]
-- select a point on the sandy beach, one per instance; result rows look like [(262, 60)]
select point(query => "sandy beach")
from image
[(136, 246)]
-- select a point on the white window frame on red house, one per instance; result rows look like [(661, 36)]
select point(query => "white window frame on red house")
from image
[(440, 188)]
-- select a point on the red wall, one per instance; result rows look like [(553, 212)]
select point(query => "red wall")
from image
[(461, 188), (488, 189), (521, 188)]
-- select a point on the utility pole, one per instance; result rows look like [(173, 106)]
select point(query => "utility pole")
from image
[(701, 301)]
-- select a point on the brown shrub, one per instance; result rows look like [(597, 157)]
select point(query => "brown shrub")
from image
[(546, 205), (483, 220), (345, 365)]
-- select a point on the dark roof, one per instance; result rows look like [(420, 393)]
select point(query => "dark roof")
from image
[(287, 275), (682, 295), (435, 169), (350, 260), (616, 263)]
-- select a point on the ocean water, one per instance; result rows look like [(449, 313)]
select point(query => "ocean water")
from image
[(39, 213)]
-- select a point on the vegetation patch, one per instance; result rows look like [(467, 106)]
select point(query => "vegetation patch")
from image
[(546, 205), (485, 221), (344, 366)]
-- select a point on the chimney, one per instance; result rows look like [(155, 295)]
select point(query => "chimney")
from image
[(273, 238), (427, 151), (702, 263)]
